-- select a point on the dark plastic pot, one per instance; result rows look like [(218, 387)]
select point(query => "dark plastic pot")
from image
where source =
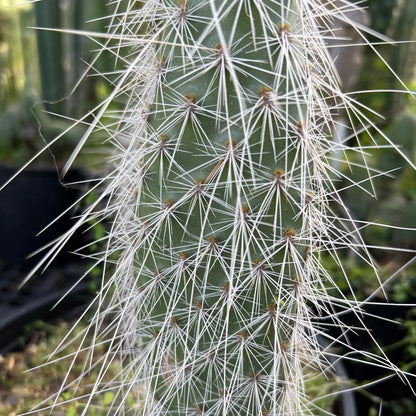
[(390, 392), (27, 205)]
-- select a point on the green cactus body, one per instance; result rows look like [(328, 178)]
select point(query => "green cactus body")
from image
[(231, 162), (223, 200)]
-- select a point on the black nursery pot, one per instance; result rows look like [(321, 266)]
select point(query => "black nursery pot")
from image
[(28, 204), (390, 393)]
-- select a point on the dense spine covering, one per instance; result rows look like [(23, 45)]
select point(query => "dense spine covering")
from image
[(224, 199), (228, 208)]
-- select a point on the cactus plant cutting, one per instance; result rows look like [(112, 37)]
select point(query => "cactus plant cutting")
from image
[(223, 199)]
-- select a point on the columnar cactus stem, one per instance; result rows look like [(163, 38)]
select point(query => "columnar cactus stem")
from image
[(223, 200)]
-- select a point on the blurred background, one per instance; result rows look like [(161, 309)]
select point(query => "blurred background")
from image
[(39, 71)]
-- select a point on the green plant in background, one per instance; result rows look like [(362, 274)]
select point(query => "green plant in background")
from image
[(62, 55), (52, 63), (224, 202), (25, 381), (395, 195)]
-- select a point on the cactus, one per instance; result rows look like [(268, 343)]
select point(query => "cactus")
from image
[(223, 199), (50, 52)]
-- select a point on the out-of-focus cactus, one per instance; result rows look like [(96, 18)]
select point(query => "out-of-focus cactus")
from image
[(223, 199), (62, 55), (50, 50), (403, 57)]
